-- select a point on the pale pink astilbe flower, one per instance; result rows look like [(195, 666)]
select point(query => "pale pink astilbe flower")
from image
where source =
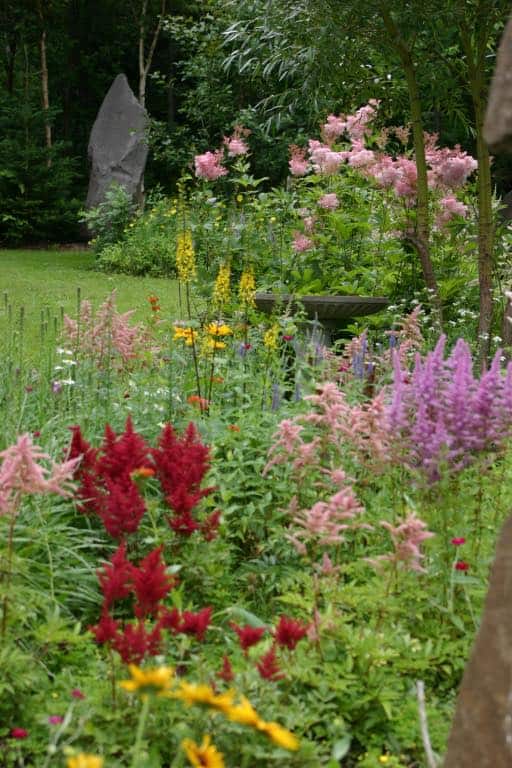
[(287, 441), (106, 334), (208, 166), (298, 163), (329, 202), (333, 128), (22, 473), (407, 538), (325, 522), (301, 243)]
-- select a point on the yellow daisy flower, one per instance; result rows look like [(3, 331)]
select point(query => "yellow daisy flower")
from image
[(245, 714), (188, 335), (201, 694), (156, 680), (280, 736), (85, 761), (219, 329), (214, 344), (204, 756)]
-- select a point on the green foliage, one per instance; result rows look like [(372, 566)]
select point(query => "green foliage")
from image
[(108, 221)]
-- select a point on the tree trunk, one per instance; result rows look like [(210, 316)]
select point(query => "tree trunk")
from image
[(475, 63), (421, 240), (45, 97)]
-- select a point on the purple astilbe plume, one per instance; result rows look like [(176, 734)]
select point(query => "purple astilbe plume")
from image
[(443, 414)]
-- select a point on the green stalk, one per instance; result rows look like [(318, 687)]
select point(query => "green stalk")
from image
[(140, 731)]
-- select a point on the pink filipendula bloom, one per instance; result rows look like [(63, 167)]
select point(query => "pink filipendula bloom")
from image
[(208, 166), (268, 666), (298, 164), (323, 159), (18, 733), (301, 243), (458, 541), (289, 632), (55, 719), (461, 565), (360, 157), (333, 128), (248, 636), (450, 207), (235, 144), (329, 202)]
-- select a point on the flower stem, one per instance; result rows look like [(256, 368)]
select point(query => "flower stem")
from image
[(140, 731)]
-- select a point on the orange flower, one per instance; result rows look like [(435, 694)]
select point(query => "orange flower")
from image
[(201, 402), (217, 380), (142, 472), (234, 427)]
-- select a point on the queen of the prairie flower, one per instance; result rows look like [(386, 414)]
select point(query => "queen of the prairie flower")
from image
[(185, 257)]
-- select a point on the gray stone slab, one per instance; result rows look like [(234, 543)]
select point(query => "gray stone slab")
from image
[(117, 145)]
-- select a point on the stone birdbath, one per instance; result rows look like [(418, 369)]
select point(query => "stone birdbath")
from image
[(331, 312)]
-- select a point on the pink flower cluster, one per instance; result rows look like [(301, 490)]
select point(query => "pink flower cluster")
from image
[(329, 201), (208, 166), (21, 473), (301, 243), (105, 334), (407, 538)]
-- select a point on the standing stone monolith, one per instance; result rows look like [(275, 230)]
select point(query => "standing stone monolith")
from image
[(117, 146), (498, 119), (481, 734)]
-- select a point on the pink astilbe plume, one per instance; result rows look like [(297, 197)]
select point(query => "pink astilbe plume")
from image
[(407, 538), (21, 473), (106, 334), (209, 166), (298, 163)]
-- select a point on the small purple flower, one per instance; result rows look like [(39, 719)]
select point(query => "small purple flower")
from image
[(56, 387)]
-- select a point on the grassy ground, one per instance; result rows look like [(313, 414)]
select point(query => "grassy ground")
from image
[(47, 282)]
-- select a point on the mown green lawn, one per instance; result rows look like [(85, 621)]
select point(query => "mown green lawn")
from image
[(47, 282)]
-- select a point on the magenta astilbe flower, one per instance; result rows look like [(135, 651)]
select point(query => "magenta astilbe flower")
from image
[(208, 166)]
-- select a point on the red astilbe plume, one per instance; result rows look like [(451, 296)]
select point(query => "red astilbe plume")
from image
[(248, 636), (122, 507), (196, 623), (86, 472), (105, 631), (268, 666), (210, 525), (185, 524), (135, 642), (151, 584), (122, 454), (289, 631), (226, 673), (170, 620), (181, 464), (116, 578)]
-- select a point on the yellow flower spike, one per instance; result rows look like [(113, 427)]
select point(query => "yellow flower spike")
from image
[(85, 761), (221, 290), (280, 736), (155, 680), (185, 258), (245, 714), (219, 329), (204, 756), (203, 695), (247, 287), (270, 337)]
